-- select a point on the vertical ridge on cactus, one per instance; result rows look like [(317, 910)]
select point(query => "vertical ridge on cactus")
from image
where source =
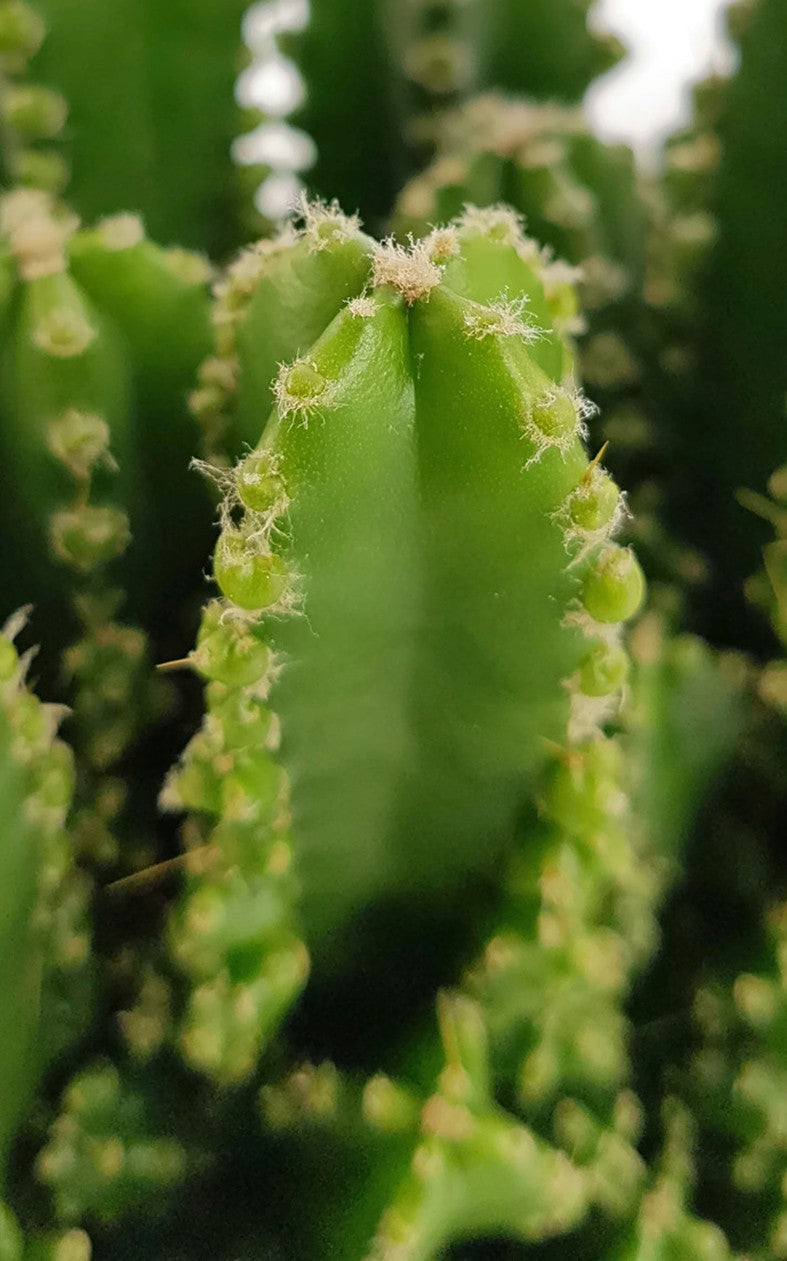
[(38, 930), (737, 230), (122, 70), (103, 326)]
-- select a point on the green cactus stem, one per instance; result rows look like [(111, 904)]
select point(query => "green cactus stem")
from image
[(127, 144), (737, 325), (104, 332), (541, 1027), (422, 543), (42, 901), (738, 1088)]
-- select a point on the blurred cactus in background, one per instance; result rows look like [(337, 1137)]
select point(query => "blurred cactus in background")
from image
[(406, 881)]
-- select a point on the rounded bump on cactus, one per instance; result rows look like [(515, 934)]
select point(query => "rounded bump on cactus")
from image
[(121, 231), (189, 266), (388, 1106), (38, 232), (301, 389), (226, 1023), (499, 223), (102, 1158), (64, 332), (35, 112), (22, 31), (556, 419), (228, 651), (595, 503), (248, 574), (89, 536), (614, 586), (309, 1095), (604, 670), (260, 485), (504, 318), (44, 170), (325, 224), (440, 63), (362, 307), (79, 440)]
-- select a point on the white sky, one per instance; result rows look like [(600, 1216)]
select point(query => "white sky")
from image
[(671, 44)]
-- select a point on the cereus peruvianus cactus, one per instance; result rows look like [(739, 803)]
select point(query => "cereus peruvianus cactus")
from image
[(379, 878), (361, 544)]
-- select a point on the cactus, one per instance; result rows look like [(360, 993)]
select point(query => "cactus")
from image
[(730, 255), (98, 324), (590, 207), (43, 901), (125, 146), (374, 891), (737, 1078), (404, 63), (433, 306)]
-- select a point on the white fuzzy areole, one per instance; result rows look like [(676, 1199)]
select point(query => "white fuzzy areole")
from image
[(410, 271), (36, 235)]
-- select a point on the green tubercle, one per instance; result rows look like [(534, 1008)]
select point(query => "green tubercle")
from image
[(614, 587), (103, 1157)]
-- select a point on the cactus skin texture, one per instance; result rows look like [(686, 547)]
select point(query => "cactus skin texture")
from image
[(42, 901), (126, 144)]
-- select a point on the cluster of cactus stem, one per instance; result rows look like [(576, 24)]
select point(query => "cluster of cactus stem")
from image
[(404, 882)]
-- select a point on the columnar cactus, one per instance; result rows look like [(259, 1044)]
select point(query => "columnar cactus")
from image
[(456, 929), (98, 326), (339, 568), (727, 241), (583, 201), (588, 205), (102, 79)]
